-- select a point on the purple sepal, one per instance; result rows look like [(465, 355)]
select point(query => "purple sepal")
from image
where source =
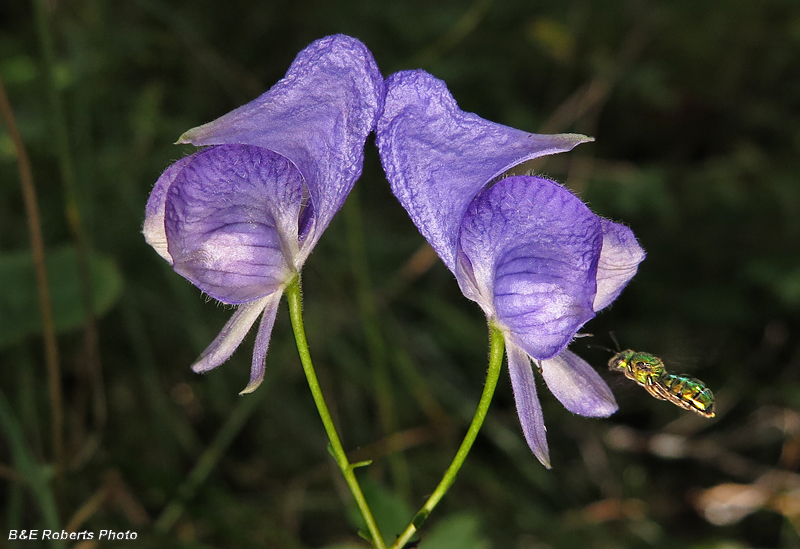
[(578, 386), (532, 247), (154, 230), (529, 409), (231, 221), (438, 157), (619, 261), (262, 343), (231, 335), (318, 116)]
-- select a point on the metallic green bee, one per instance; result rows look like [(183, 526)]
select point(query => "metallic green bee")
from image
[(649, 371)]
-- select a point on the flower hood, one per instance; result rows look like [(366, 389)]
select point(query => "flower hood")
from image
[(239, 218), (528, 251)]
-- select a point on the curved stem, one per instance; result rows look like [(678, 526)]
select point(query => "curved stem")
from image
[(72, 212), (497, 346), (294, 297)]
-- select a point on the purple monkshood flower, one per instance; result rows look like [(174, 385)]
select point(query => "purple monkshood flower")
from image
[(239, 218), (529, 252)]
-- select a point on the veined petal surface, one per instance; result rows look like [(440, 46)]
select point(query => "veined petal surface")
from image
[(318, 116), (231, 221), (438, 157), (533, 247)]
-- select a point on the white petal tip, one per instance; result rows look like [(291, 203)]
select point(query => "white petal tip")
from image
[(189, 136), (195, 135), (544, 460), (252, 386), (609, 410), (576, 139), (184, 139)]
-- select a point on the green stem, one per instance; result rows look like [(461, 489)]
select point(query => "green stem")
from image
[(294, 297), (497, 346), (42, 286)]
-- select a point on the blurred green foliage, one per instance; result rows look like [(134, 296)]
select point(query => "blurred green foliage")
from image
[(20, 304), (696, 110)]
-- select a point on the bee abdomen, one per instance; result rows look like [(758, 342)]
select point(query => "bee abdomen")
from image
[(689, 393)]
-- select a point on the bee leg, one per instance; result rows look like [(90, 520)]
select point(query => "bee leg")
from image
[(656, 390)]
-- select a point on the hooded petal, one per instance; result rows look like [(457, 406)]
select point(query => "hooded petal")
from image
[(619, 261), (231, 221), (578, 386), (438, 157), (532, 247), (318, 116), (528, 407), (231, 335)]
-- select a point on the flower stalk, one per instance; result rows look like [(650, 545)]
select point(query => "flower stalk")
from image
[(496, 348), (294, 297)]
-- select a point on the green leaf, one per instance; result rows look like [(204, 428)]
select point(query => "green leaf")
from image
[(19, 298), (390, 510)]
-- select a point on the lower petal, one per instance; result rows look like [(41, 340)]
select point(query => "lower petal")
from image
[(231, 335), (578, 386), (528, 407), (262, 343)]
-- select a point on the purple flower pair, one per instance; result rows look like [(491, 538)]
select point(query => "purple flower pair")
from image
[(239, 219)]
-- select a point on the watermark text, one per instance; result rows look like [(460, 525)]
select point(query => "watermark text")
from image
[(111, 535)]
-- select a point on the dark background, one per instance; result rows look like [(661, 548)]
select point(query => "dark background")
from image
[(695, 106)]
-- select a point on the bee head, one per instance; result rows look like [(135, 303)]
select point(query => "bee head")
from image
[(621, 361)]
